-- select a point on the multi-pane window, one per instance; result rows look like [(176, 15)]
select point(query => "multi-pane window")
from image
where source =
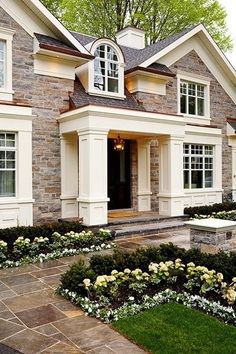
[(2, 63), (106, 69), (198, 166), (7, 164), (192, 98)]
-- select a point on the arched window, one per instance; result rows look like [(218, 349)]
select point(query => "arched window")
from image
[(106, 69)]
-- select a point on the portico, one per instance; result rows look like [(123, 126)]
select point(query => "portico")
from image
[(84, 139)]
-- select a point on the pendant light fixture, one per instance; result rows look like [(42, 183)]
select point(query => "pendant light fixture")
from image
[(119, 144)]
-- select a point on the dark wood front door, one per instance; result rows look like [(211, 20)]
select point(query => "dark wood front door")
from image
[(119, 176)]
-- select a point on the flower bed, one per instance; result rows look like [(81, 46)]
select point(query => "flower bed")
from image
[(25, 250), (123, 293)]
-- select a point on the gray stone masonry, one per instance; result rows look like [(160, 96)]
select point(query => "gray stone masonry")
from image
[(213, 242), (212, 235), (221, 107), (46, 95)]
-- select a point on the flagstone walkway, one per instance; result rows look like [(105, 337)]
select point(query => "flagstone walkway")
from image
[(33, 319)]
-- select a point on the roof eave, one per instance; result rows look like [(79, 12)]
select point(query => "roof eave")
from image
[(56, 26), (149, 70), (70, 52), (204, 35)]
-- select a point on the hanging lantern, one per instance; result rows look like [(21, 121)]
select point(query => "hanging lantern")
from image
[(119, 144)]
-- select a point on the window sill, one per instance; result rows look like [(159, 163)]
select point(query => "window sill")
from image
[(202, 190), (106, 94), (6, 95), (14, 200)]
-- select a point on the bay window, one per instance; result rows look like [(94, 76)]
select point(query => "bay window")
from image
[(198, 166), (7, 164)]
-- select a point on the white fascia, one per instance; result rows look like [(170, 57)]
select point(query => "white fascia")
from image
[(201, 31), (49, 20)]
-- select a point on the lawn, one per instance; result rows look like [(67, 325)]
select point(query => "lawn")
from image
[(174, 328)]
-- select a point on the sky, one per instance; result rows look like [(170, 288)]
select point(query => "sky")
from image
[(230, 6)]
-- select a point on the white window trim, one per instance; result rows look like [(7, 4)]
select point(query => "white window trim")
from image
[(6, 92), (194, 118), (91, 89), (18, 210), (13, 198), (203, 189)]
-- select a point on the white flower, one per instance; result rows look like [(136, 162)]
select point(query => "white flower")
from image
[(87, 282)]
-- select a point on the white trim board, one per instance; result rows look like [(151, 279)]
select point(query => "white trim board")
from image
[(198, 39), (33, 16)]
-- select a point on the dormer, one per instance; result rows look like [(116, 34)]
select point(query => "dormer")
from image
[(104, 75)]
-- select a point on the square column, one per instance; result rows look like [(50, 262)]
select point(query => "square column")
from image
[(69, 175), (171, 193), (144, 179), (93, 177)]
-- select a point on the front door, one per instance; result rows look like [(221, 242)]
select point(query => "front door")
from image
[(119, 177)]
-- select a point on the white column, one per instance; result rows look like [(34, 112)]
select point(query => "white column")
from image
[(69, 175), (93, 177), (232, 143), (144, 179), (171, 176)]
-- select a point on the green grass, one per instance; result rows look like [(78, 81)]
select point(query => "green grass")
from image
[(175, 329)]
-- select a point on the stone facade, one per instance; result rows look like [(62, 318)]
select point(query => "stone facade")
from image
[(221, 107), (213, 242), (46, 95)]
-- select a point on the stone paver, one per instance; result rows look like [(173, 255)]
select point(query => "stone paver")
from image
[(33, 319)]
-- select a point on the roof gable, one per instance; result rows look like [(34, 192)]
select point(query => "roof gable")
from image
[(33, 16)]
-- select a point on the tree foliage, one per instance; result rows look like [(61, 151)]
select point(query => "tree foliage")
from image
[(159, 18)]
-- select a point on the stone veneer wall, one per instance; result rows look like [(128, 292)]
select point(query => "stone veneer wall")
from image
[(221, 107), (134, 174), (46, 95)]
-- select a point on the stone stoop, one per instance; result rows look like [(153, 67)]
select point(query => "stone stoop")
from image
[(142, 227)]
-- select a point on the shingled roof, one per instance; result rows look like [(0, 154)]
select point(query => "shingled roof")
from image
[(46, 42), (135, 57), (81, 98)]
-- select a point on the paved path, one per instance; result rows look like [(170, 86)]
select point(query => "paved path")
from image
[(34, 320), (179, 237)]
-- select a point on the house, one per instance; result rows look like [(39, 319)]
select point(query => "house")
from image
[(67, 100)]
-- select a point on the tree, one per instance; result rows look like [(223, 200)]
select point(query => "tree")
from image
[(159, 18)]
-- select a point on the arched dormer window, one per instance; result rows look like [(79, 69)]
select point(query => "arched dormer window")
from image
[(107, 69)]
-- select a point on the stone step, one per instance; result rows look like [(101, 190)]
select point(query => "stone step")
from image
[(145, 219), (142, 229)]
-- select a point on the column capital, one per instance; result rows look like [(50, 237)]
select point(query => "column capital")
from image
[(93, 131), (171, 137)]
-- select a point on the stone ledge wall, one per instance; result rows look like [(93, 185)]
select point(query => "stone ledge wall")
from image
[(213, 242)]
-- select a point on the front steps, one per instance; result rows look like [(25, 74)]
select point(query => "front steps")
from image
[(141, 226)]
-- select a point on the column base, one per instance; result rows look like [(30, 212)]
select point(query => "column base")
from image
[(93, 213), (69, 207), (171, 206), (144, 201)]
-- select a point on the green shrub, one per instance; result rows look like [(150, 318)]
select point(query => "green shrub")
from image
[(9, 235), (209, 209), (73, 278), (141, 258)]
